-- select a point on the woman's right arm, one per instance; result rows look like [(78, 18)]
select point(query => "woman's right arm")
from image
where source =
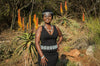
[(37, 41)]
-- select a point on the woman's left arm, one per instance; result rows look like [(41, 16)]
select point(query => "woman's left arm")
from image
[(60, 37)]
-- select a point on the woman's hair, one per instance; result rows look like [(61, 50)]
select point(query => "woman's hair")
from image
[(47, 11)]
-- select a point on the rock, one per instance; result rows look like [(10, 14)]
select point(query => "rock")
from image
[(89, 51), (7, 60), (79, 64)]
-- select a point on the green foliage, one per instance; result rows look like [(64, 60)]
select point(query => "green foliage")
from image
[(68, 22), (9, 8), (74, 24), (27, 37), (94, 30), (64, 21), (67, 48)]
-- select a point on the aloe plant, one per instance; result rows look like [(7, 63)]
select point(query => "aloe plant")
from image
[(27, 48)]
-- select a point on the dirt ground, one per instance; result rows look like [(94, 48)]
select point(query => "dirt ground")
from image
[(7, 36)]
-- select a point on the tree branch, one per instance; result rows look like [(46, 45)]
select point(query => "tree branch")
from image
[(25, 6)]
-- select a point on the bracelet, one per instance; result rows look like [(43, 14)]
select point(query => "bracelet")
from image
[(42, 57)]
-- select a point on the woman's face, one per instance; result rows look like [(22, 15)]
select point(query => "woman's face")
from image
[(47, 18)]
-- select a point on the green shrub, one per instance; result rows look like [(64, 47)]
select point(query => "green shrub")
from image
[(67, 48), (93, 25), (26, 48)]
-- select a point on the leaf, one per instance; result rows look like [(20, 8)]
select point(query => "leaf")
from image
[(20, 52), (32, 53), (35, 52), (18, 48)]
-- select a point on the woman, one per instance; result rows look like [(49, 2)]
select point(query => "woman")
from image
[(47, 34)]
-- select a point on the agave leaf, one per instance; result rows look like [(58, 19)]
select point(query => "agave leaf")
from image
[(32, 54), (25, 33), (28, 46), (20, 46), (20, 52), (25, 46), (21, 37), (33, 36), (33, 41), (24, 36), (14, 40), (27, 37), (34, 50)]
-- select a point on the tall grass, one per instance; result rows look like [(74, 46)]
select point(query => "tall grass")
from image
[(71, 64), (93, 25)]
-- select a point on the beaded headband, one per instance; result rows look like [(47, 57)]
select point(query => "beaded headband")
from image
[(47, 13)]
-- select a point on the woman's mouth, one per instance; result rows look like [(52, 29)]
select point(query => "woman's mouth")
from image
[(47, 19)]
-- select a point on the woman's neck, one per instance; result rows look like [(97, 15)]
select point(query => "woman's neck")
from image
[(48, 25)]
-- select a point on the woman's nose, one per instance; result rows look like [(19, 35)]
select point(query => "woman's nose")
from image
[(47, 16)]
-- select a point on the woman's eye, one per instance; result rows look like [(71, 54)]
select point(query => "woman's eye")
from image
[(44, 16), (47, 16)]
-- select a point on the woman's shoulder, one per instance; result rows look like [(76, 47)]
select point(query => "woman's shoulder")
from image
[(39, 28), (56, 26)]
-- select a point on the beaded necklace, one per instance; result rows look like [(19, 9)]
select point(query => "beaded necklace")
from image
[(48, 29)]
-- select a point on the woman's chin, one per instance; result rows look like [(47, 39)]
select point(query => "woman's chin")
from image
[(47, 22)]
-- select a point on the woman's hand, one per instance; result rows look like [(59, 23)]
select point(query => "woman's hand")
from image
[(44, 61)]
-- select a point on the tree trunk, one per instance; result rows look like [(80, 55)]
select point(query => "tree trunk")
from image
[(32, 7), (13, 19)]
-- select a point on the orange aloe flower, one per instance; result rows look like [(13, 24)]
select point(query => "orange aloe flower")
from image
[(34, 19), (27, 26), (23, 26), (83, 17), (19, 19), (61, 10), (66, 5), (36, 26), (29, 21)]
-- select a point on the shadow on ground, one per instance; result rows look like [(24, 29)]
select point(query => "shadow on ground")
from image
[(62, 61)]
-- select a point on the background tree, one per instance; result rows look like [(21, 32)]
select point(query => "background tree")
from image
[(9, 8)]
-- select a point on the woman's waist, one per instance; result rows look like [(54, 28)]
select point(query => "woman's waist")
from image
[(49, 51), (49, 47), (48, 43)]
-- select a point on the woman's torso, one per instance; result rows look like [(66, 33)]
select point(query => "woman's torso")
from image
[(47, 39)]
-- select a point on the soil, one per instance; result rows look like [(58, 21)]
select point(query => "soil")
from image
[(7, 36)]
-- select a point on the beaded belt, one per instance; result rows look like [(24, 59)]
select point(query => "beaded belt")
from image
[(49, 47)]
